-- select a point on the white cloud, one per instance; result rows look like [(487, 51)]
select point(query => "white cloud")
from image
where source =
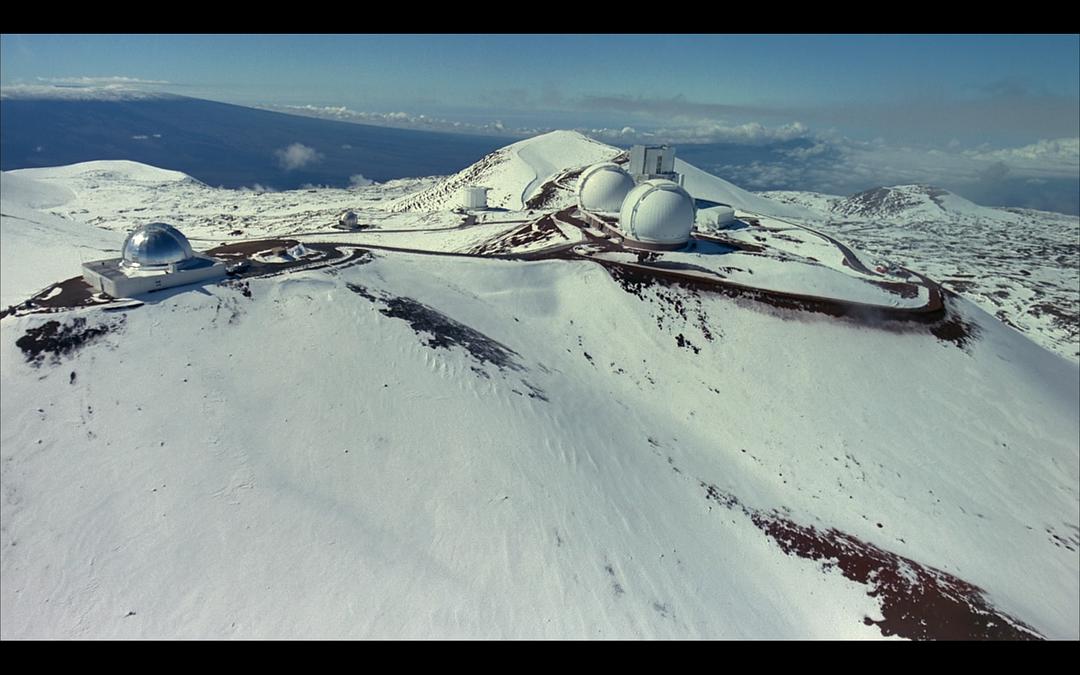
[(708, 131), (358, 180), (1060, 155), (400, 120), (1041, 175), (806, 153), (99, 81), (111, 92), (297, 156)]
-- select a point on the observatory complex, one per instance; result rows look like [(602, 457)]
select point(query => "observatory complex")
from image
[(155, 256), (645, 206)]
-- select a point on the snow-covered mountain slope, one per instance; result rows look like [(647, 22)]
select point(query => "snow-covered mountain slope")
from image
[(121, 195), (708, 187), (38, 248), (427, 444), (912, 202), (518, 174), (113, 171), (514, 173), (1021, 265), (814, 201)]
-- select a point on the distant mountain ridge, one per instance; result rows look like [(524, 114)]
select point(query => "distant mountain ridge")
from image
[(910, 201), (903, 203), (222, 144)]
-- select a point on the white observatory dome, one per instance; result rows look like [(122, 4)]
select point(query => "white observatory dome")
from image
[(658, 212), (156, 245), (602, 187), (348, 219)]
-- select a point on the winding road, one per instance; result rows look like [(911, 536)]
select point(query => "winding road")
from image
[(636, 274)]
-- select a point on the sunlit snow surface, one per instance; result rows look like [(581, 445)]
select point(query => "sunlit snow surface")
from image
[(1021, 265), (423, 445)]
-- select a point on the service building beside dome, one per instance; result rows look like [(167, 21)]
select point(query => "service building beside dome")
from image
[(155, 256)]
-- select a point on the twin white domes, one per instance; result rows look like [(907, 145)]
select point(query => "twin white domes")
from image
[(658, 212)]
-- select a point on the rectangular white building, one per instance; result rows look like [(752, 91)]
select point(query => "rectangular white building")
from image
[(118, 281), (652, 161)]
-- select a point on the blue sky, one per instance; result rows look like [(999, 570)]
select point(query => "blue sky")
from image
[(886, 100), (609, 79)]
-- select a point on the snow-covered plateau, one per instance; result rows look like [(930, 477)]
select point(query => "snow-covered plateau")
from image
[(1020, 265), (504, 425)]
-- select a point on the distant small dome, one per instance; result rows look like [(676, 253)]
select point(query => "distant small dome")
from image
[(156, 245), (658, 212), (602, 187), (348, 218)]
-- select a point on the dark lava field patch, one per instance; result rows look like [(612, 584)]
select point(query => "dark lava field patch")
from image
[(441, 331), (55, 339), (538, 231)]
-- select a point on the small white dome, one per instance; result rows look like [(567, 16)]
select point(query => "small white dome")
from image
[(602, 187), (658, 212), (156, 245)]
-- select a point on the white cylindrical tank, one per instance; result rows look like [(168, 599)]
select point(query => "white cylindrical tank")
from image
[(601, 188), (715, 217), (474, 197), (658, 212)]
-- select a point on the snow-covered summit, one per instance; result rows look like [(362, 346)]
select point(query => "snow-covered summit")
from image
[(514, 173), (542, 171), (105, 170), (912, 202), (36, 247), (21, 190)]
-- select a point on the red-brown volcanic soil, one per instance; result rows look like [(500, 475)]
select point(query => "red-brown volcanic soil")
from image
[(917, 601)]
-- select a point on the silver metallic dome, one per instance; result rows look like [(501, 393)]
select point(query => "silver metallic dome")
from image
[(156, 245)]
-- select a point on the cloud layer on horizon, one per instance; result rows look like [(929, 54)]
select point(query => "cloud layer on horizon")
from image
[(99, 81), (793, 156)]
